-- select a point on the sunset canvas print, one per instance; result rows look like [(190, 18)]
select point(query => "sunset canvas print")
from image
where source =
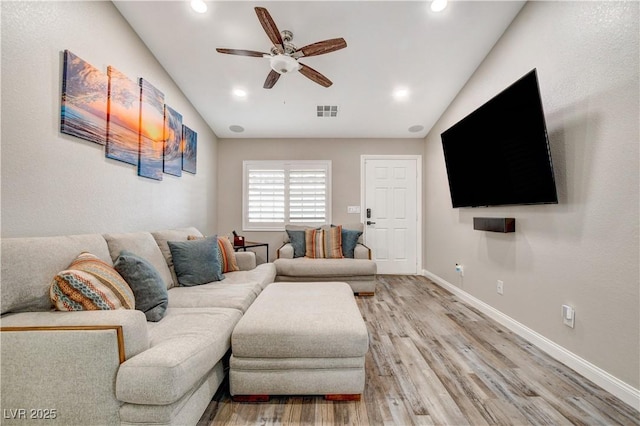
[(123, 119), (151, 131), (189, 149), (84, 100), (172, 163)]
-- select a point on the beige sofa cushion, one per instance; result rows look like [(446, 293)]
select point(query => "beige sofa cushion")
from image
[(29, 265), (215, 295), (304, 267), (185, 345), (142, 244), (263, 274)]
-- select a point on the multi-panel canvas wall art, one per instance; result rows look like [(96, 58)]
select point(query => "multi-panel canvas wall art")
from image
[(84, 100), (151, 131), (172, 142), (123, 119), (189, 149), (128, 117)]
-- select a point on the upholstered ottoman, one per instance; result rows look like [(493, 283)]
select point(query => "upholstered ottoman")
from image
[(300, 339)]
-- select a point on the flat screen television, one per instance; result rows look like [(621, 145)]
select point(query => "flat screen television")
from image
[(499, 154)]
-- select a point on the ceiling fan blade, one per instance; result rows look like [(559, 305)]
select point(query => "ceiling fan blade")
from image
[(322, 47), (242, 52), (314, 75), (269, 27), (271, 80)]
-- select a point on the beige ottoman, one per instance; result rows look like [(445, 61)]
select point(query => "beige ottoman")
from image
[(300, 339)]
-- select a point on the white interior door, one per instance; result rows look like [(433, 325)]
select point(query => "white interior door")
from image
[(392, 212)]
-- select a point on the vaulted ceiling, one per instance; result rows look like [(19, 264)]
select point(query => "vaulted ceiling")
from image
[(391, 46)]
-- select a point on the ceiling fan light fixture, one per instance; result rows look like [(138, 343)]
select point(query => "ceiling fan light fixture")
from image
[(283, 64)]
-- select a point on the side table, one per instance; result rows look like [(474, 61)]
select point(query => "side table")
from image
[(253, 244)]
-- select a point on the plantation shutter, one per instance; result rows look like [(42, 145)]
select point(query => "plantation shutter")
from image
[(266, 196), (281, 192), (307, 195)]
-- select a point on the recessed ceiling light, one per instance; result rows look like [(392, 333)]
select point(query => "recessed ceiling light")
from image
[(199, 6), (401, 93), (239, 93), (438, 5), (416, 128), (235, 128)]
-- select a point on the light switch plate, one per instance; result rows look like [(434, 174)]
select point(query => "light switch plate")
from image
[(353, 209)]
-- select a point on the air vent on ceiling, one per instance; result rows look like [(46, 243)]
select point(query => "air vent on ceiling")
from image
[(327, 111)]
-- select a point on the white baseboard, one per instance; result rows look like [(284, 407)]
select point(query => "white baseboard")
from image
[(615, 386)]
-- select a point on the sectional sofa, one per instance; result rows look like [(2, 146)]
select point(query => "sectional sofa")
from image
[(114, 366)]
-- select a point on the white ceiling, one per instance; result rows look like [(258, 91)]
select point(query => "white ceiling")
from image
[(390, 44)]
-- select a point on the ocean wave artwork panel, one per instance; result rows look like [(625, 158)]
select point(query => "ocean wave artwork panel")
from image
[(151, 131), (189, 149), (84, 100), (172, 162), (123, 120)]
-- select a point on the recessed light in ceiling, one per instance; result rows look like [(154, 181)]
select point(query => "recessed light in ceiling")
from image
[(416, 128), (235, 128), (239, 93), (401, 93), (438, 5), (199, 6)]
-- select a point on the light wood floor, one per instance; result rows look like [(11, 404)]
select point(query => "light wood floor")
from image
[(436, 360)]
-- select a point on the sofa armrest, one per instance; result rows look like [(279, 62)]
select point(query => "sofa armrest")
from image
[(362, 252), (246, 260), (285, 251), (133, 324), (55, 365)]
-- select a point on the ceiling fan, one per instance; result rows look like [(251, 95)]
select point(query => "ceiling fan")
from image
[(284, 55)]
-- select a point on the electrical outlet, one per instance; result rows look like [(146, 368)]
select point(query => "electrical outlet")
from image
[(500, 287), (460, 269)]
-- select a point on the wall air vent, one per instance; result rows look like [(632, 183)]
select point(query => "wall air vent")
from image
[(327, 111)]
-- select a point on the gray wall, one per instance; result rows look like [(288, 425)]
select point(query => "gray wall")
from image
[(345, 166), (583, 251), (56, 184)]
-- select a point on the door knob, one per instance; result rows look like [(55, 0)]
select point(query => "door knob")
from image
[(370, 223)]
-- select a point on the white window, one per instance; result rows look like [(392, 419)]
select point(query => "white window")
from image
[(279, 192)]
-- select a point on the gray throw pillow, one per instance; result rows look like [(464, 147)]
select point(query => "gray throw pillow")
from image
[(297, 242), (196, 262), (149, 290), (349, 242)]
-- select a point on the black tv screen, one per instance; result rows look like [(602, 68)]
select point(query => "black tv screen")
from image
[(499, 154)]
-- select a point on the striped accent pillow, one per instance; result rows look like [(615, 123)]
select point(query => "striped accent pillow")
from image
[(90, 284), (227, 255), (324, 243)]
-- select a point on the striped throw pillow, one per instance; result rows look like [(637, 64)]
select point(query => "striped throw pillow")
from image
[(324, 243), (227, 255), (90, 284)]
